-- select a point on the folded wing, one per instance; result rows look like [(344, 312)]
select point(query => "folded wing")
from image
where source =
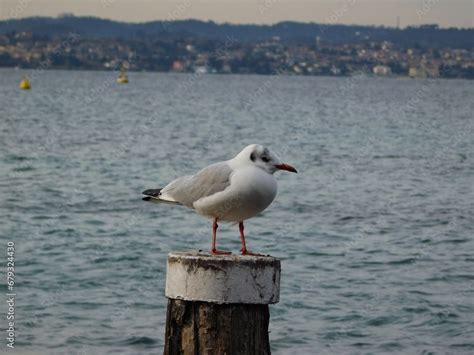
[(186, 190)]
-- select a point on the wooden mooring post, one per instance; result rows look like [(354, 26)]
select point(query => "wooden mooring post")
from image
[(218, 304)]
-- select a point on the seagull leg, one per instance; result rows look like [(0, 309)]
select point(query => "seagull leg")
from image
[(214, 251), (242, 240)]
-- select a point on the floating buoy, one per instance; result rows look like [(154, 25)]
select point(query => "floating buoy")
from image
[(25, 84), (122, 78)]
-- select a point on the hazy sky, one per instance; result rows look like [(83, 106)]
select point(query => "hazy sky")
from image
[(447, 13)]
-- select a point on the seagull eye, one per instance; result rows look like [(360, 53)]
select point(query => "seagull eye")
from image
[(265, 159)]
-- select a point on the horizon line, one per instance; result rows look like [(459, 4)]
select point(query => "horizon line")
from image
[(66, 15)]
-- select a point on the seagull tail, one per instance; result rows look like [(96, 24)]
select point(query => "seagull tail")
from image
[(154, 195)]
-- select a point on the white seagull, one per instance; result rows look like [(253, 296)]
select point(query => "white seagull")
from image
[(233, 190)]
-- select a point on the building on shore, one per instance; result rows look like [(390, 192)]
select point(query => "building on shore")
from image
[(382, 70)]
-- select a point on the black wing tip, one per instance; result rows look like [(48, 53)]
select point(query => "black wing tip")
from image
[(147, 198), (152, 192)]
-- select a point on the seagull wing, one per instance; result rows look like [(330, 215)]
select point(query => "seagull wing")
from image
[(186, 190)]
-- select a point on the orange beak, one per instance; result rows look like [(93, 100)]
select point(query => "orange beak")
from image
[(285, 167)]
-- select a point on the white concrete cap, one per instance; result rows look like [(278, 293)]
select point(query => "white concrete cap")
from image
[(198, 276)]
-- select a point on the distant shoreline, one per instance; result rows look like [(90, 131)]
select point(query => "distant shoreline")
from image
[(205, 47), (367, 76)]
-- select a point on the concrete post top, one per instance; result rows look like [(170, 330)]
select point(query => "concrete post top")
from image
[(208, 260), (200, 276)]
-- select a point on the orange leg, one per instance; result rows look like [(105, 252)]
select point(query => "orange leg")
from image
[(214, 251), (242, 241)]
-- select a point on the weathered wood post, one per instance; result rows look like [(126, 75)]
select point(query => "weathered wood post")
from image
[(218, 304)]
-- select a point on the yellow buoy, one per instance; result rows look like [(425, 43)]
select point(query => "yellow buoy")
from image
[(25, 84), (122, 78)]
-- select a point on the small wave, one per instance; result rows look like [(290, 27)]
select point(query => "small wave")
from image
[(462, 157), (403, 261), (391, 346), (18, 158), (106, 258), (77, 339), (42, 217), (344, 334), (416, 310), (378, 321), (83, 305), (418, 292), (350, 218), (94, 222), (135, 340), (452, 278), (100, 260), (375, 251), (316, 253), (360, 344), (452, 241), (66, 231), (23, 169)]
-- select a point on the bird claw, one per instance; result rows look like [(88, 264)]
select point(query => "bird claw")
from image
[(248, 252), (220, 252)]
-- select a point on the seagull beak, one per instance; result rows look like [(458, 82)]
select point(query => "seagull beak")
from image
[(285, 167)]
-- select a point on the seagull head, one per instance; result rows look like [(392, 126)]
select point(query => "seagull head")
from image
[(262, 157)]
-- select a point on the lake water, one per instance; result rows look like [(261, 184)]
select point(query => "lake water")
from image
[(375, 233)]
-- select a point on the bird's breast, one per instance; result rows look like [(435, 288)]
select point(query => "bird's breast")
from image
[(251, 191), (256, 187)]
